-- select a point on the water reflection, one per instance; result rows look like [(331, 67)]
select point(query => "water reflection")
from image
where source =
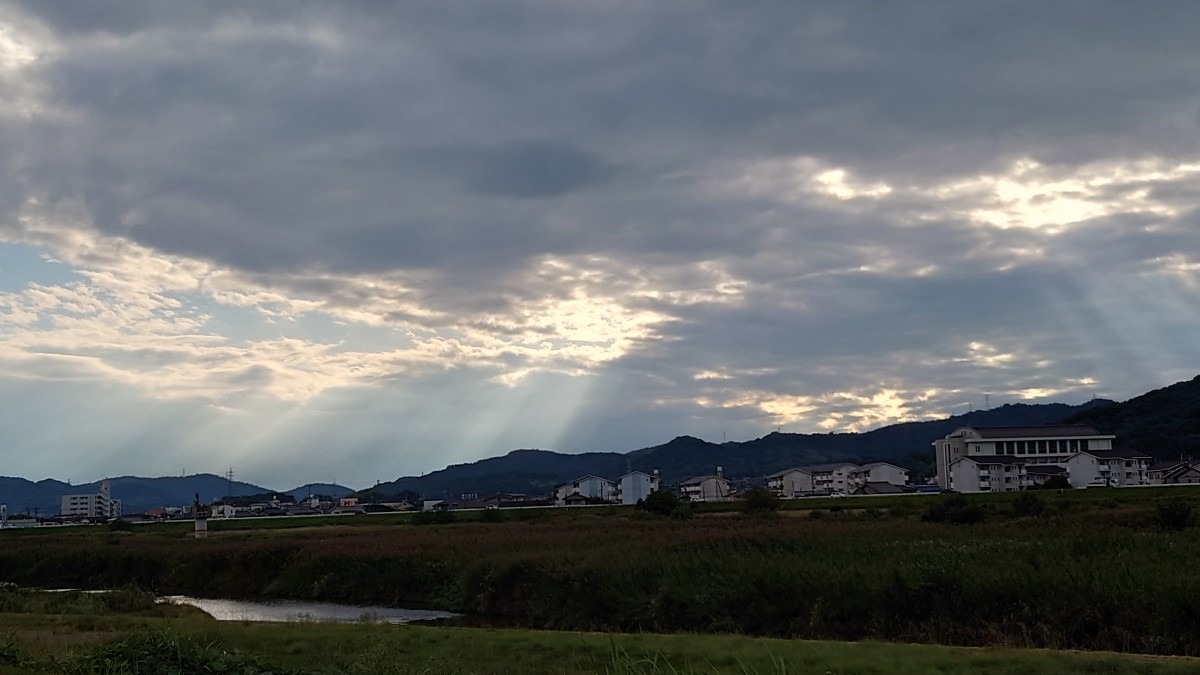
[(287, 611)]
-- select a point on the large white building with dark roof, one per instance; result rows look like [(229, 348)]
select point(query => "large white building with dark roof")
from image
[(998, 456)]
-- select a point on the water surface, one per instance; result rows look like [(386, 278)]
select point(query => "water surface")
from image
[(288, 611)]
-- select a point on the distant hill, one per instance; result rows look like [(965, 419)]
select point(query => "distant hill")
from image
[(1164, 423), (537, 472), (137, 494), (327, 489)]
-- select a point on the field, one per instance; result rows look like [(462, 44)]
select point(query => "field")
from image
[(1083, 570), (150, 642)]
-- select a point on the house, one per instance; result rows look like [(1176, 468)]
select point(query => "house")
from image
[(790, 483), (594, 488), (504, 499), (576, 499), (879, 488), (1048, 444), (879, 472), (100, 505), (712, 488), (830, 478), (987, 473), (1175, 472), (635, 486), (1116, 468)]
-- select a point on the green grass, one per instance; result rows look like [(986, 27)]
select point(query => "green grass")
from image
[(80, 644), (1092, 571)]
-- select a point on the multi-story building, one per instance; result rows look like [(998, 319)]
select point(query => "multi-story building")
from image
[(1052, 444), (94, 506), (790, 483), (1114, 468), (712, 488), (1002, 459), (879, 472), (987, 473), (831, 478), (590, 488), (635, 486)]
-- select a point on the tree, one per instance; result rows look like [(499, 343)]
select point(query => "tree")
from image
[(660, 502)]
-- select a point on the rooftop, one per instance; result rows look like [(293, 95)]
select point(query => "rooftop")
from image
[(1042, 431)]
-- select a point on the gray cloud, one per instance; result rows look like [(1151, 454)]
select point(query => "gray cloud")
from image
[(745, 204)]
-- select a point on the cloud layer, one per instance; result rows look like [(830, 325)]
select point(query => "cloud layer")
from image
[(310, 239)]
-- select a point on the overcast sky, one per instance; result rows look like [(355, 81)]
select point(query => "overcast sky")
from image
[(360, 240)]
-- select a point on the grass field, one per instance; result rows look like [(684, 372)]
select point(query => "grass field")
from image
[(1089, 570), (75, 644)]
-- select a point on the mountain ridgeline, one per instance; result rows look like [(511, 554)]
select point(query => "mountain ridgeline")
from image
[(138, 494), (537, 472)]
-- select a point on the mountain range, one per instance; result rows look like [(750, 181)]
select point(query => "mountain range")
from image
[(1164, 423), (138, 494)]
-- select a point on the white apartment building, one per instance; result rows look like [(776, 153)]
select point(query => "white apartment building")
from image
[(590, 487), (1115, 468), (635, 486), (1052, 444), (712, 488), (879, 472), (100, 505), (830, 478), (790, 483), (987, 473)]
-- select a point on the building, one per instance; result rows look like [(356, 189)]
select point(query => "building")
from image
[(879, 472), (1038, 475), (1176, 472), (592, 488), (790, 483), (95, 506), (635, 486), (1052, 444), (986, 473), (712, 488), (1112, 468), (831, 478), (879, 488)]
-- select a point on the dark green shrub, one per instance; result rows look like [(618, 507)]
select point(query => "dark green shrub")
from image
[(1173, 515), (682, 512), (1028, 505), (661, 502), (760, 501), (816, 514), (955, 510), (164, 654), (119, 525)]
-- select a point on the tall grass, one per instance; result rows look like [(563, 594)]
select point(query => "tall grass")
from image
[(1079, 576)]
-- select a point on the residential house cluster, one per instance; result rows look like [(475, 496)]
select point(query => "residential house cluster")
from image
[(1007, 459), (838, 478), (1176, 472), (630, 488)]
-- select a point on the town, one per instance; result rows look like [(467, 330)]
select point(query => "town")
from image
[(968, 460)]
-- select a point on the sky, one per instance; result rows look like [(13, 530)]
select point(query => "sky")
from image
[(352, 241)]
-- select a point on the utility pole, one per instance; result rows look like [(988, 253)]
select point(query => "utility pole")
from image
[(229, 482)]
